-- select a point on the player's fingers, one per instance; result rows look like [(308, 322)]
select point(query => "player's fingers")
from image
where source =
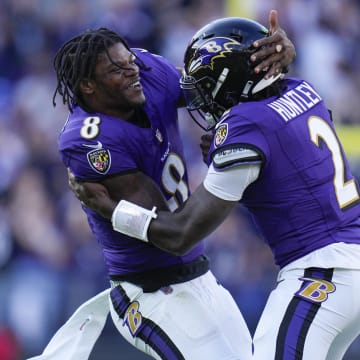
[(273, 21), (268, 55), (264, 53), (70, 174), (272, 65), (276, 38), (206, 139), (205, 145), (274, 70), (75, 187), (71, 179)]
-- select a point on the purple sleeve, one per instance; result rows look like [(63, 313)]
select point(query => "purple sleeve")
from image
[(112, 152), (237, 140)]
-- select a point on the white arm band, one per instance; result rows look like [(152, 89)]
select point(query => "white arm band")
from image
[(132, 220), (230, 184)]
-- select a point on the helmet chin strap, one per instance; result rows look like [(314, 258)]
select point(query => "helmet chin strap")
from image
[(209, 117), (263, 83), (220, 82), (211, 121)]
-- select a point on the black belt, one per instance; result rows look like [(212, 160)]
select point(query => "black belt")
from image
[(153, 280)]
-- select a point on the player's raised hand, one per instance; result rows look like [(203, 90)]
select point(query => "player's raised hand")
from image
[(276, 52), (93, 195)]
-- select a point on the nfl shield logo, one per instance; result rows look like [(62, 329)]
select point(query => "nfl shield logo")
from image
[(99, 160)]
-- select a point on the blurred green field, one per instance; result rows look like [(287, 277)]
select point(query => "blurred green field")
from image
[(350, 138)]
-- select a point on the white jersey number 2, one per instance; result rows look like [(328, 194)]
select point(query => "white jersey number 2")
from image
[(345, 190)]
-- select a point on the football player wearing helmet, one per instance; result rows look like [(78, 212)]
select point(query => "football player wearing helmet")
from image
[(122, 132), (275, 150), (218, 69)]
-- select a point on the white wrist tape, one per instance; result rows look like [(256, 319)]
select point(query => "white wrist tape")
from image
[(132, 220)]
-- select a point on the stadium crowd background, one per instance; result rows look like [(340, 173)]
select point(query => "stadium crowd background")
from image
[(49, 261)]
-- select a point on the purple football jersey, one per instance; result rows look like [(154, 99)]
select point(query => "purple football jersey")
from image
[(95, 146), (305, 197)]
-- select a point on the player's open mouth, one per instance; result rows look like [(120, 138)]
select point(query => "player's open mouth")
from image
[(135, 85)]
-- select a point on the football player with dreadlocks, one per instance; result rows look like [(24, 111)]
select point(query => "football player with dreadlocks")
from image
[(122, 132), (275, 150)]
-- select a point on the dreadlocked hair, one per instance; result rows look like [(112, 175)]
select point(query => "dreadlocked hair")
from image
[(76, 60)]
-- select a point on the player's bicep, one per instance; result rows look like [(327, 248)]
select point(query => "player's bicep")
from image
[(232, 170), (230, 184)]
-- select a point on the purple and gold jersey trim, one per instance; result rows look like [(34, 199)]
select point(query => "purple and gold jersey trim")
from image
[(236, 154), (142, 327), (302, 311)]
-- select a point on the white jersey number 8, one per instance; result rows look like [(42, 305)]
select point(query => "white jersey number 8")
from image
[(173, 181)]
